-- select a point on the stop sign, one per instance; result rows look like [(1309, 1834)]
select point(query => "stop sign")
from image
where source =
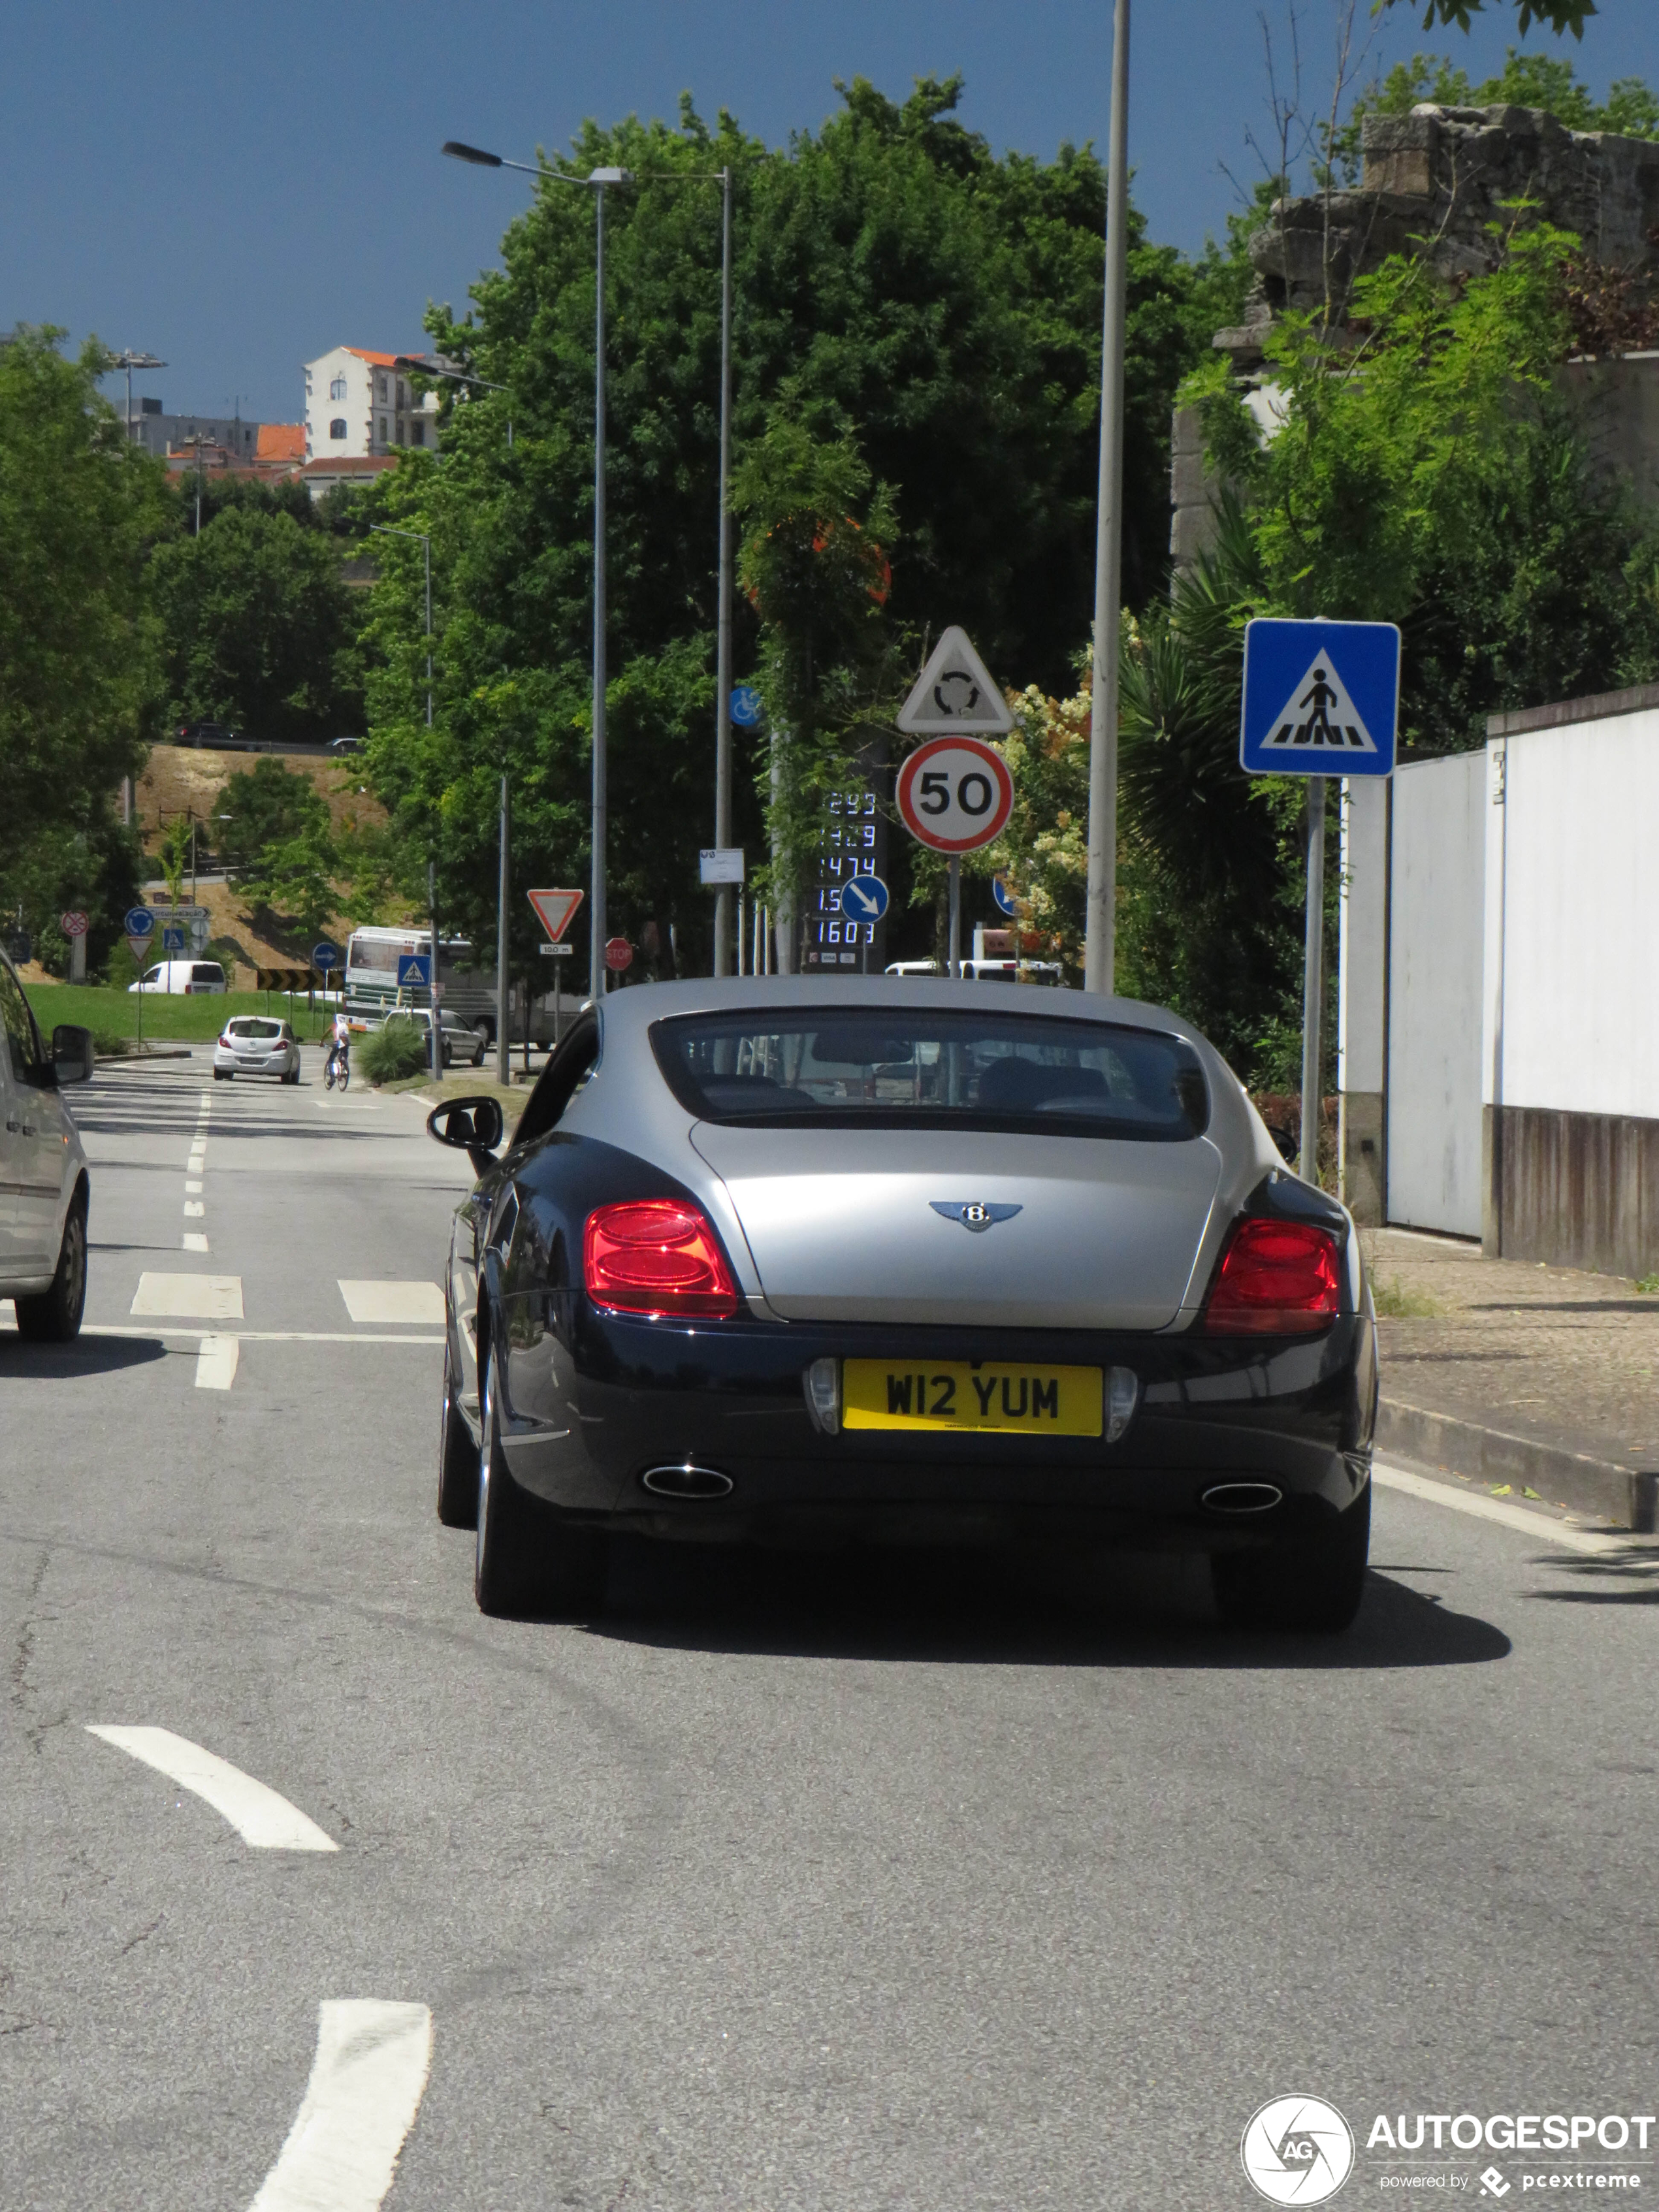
[(956, 794), (618, 953)]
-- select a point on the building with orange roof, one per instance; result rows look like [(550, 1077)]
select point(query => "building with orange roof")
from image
[(281, 446), (360, 406)]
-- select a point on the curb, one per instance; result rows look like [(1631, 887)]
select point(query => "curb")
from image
[(1625, 1496), (126, 1058)]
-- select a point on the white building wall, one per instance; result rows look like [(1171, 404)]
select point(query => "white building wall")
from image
[(1570, 1018), (380, 412), (1437, 922)]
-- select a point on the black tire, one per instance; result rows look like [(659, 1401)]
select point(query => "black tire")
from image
[(220, 1076), (526, 1561), (458, 1457), (53, 1316), (1311, 1587)]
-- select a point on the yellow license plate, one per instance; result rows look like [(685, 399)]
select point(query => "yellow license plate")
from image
[(966, 1395)]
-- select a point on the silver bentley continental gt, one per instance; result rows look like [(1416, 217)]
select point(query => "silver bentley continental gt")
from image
[(854, 1259)]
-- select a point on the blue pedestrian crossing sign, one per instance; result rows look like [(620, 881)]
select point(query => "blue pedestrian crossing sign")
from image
[(172, 940), (1321, 698), (863, 898), (414, 967)]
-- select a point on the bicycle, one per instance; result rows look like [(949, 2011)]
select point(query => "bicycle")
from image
[(337, 1068)]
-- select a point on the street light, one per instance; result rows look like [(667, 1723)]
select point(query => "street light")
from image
[(386, 530), (129, 361), (598, 179), (435, 364), (1100, 914)]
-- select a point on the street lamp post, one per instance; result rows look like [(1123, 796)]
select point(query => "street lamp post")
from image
[(596, 181), (1100, 919), (129, 361), (723, 635), (386, 530)]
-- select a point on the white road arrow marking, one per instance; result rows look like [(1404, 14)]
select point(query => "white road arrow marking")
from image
[(365, 2089), (215, 1363), (259, 1816)]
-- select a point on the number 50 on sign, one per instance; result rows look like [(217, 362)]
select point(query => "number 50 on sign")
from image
[(956, 794)]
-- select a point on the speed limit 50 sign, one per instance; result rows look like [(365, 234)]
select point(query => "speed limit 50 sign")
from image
[(956, 794)]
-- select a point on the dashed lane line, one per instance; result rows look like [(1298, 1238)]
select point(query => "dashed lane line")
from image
[(193, 1240), (393, 1300), (255, 1335), (194, 1208), (366, 2086), (1538, 1525), (213, 1297), (258, 1814), (215, 1363)]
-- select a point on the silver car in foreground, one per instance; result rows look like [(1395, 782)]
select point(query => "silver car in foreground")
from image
[(43, 1186), (812, 1261)]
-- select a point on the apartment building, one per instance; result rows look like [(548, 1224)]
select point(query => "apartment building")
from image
[(358, 405)]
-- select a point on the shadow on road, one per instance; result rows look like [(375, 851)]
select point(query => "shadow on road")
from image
[(86, 1355), (958, 1609)]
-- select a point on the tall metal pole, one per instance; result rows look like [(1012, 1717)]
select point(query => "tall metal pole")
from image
[(596, 894), (426, 548), (503, 889), (1099, 963), (723, 648), (1313, 985)]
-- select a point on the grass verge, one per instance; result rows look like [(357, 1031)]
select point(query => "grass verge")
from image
[(111, 1015)]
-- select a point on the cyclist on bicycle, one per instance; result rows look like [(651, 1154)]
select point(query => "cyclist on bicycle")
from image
[(339, 1050)]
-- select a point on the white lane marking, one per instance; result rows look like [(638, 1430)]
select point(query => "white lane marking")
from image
[(1507, 1516), (194, 1208), (215, 1363), (214, 1297), (195, 1187), (385, 1301), (255, 1335), (366, 2082), (259, 1815), (193, 1240)]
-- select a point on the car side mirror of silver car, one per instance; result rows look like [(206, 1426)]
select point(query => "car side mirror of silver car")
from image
[(473, 1126), (71, 1053)]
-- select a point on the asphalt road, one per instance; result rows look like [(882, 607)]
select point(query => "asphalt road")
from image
[(787, 1884)]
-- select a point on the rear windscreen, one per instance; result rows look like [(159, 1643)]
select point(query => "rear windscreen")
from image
[(996, 1070), (250, 1026)]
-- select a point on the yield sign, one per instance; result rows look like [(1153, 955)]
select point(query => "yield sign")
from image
[(954, 694), (554, 910)]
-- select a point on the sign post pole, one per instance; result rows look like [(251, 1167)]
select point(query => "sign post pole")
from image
[(503, 1043), (1313, 985), (955, 916), (1320, 698)]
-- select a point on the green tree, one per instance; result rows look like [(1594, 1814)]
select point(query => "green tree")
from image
[(903, 284), (79, 658), (1561, 15), (259, 625), (266, 804), (1544, 81)]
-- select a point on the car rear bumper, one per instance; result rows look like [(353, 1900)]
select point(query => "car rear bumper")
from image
[(594, 1404)]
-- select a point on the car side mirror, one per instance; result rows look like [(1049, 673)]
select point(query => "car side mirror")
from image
[(473, 1126), (71, 1053)]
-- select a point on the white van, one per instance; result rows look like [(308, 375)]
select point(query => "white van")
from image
[(182, 978)]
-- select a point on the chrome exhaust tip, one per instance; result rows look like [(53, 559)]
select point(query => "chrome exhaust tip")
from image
[(1241, 1497), (687, 1481)]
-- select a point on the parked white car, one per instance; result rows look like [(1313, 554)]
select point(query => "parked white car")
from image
[(182, 978), (460, 1039), (256, 1044), (44, 1186)]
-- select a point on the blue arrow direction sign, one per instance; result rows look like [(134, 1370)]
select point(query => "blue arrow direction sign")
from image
[(325, 956), (140, 922), (746, 708), (864, 898), (414, 967), (172, 940), (1321, 698), (1003, 896)]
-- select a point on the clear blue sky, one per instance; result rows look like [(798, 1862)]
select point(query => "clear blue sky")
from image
[(239, 188)]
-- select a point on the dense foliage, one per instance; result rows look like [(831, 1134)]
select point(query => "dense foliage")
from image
[(902, 297), (79, 644)]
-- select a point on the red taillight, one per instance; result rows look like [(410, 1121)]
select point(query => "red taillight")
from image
[(225, 1041), (656, 1256), (1276, 1278)]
